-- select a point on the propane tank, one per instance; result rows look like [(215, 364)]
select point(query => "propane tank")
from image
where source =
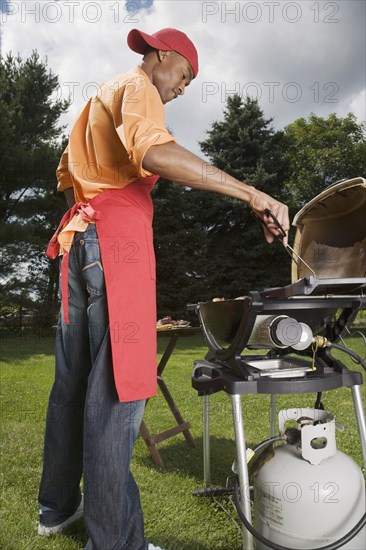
[(309, 494)]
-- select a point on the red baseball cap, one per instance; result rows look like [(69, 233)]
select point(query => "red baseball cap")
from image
[(166, 39)]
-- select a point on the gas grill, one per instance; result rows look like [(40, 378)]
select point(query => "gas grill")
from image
[(279, 340)]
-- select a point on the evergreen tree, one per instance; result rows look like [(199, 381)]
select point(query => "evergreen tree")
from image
[(30, 148), (179, 242), (245, 145)]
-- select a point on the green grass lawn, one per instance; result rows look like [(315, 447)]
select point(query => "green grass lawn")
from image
[(174, 519)]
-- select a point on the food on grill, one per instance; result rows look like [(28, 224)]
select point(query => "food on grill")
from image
[(163, 327), (167, 322)]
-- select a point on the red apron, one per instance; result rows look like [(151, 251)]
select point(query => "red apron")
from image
[(123, 220)]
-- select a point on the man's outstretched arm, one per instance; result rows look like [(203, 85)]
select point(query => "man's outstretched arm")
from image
[(176, 163)]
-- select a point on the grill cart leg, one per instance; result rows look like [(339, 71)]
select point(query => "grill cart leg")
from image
[(242, 467), (272, 416), (206, 442), (360, 415)]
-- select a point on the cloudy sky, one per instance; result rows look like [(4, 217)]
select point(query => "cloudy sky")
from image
[(295, 57)]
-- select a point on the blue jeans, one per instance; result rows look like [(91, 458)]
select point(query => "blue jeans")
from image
[(88, 431)]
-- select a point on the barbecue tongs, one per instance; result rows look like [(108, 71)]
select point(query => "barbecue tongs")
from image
[(294, 255)]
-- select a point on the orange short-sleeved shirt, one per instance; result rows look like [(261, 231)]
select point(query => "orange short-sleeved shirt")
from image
[(109, 140)]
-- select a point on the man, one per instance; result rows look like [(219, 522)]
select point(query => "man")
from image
[(106, 340)]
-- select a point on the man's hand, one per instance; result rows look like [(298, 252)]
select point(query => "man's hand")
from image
[(261, 203)]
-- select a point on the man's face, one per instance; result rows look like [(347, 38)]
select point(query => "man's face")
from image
[(171, 75)]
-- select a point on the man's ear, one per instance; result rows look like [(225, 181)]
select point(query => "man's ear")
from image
[(162, 54)]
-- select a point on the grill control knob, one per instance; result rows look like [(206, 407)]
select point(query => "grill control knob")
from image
[(275, 331), (285, 331)]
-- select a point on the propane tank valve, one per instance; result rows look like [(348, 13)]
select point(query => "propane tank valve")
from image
[(292, 436)]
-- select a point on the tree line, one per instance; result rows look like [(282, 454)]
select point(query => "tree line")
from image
[(207, 245)]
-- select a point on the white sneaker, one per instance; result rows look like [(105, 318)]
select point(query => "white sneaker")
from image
[(43, 530), (152, 547)]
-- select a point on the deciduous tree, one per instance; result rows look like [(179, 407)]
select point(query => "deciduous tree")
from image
[(320, 151)]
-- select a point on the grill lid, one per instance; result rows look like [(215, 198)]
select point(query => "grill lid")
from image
[(331, 233)]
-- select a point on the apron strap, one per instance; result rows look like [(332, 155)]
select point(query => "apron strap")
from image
[(87, 214)]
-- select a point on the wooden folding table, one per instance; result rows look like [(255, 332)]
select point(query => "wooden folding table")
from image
[(182, 426)]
